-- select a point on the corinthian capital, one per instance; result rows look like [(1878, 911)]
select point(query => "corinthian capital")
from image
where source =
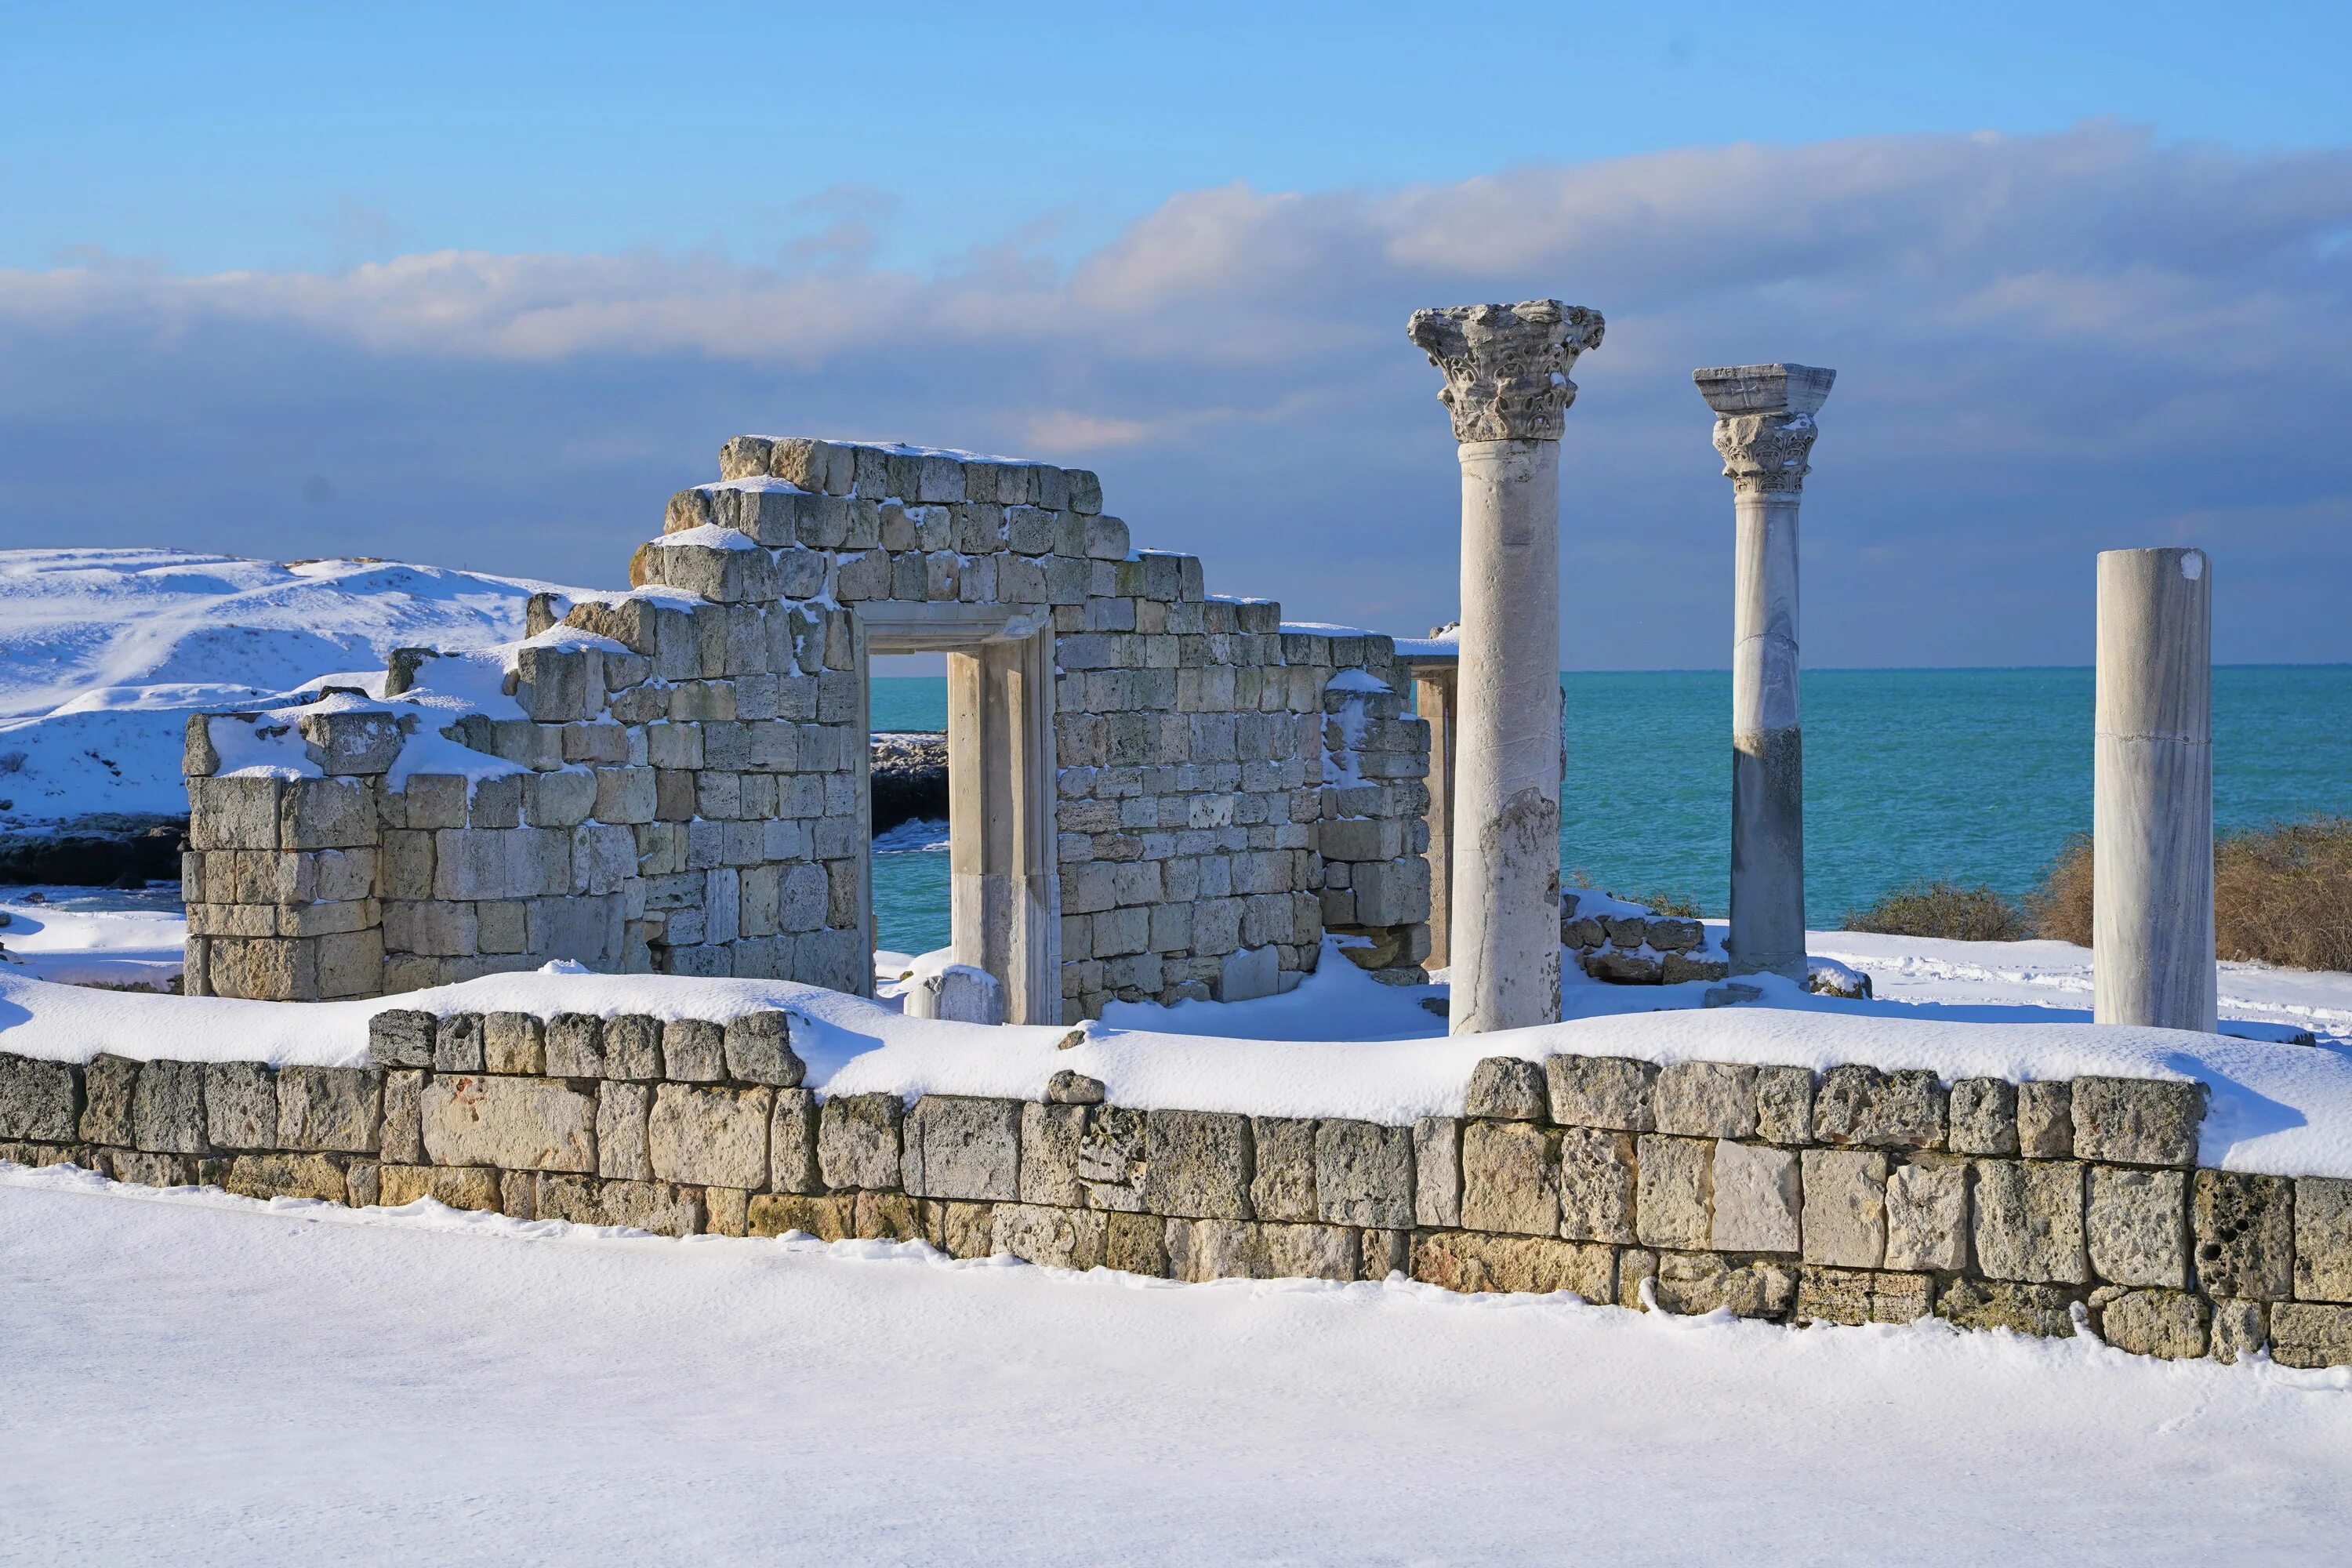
[(1764, 421), (1506, 365)]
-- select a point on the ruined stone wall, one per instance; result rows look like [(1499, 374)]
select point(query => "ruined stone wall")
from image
[(1849, 1197)]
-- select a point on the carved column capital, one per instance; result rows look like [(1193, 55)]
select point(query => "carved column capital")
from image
[(1506, 365), (1764, 422)]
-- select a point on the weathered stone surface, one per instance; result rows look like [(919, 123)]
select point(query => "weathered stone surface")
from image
[(167, 1108), (1784, 1105), (888, 1216), (2238, 1329), (1112, 1159), (1846, 1207), (1509, 1178), (1706, 1100), (826, 1218), (1673, 1206), (1284, 1185), (1199, 1250), (1068, 1088), (1612, 1092), (1758, 1198), (693, 1050), (2137, 1225), (147, 1170), (2138, 1121), (2028, 1221), (240, 1105), (967, 1230), (518, 1194), (1861, 1105), (857, 1140), (1437, 1172), (2244, 1231), (1381, 1253), (361, 1182), (1050, 1138), (792, 1143), (1983, 1117), (38, 1099), (403, 1135), (2310, 1334), (1861, 1296), (337, 1109), (759, 1050), (2045, 1121), (1310, 1252), (1051, 1237), (401, 1037), (108, 1082), (2322, 1239), (710, 1137), (1927, 1216), (286, 1177), (1469, 1261), (575, 1046), (1505, 1088), (622, 1111), (1597, 1181), (2169, 1324), (960, 1146), (1696, 1282), (513, 1123), (457, 1043), (2044, 1310), (1198, 1166), (655, 1206), (633, 1048), (1136, 1243), (458, 1186), (1363, 1173), (514, 1043)]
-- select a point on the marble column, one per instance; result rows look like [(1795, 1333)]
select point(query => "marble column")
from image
[(2152, 792), (1764, 429), (1508, 390)]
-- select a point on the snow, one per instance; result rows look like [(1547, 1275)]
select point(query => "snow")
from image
[(83, 936), (709, 536), (293, 1382)]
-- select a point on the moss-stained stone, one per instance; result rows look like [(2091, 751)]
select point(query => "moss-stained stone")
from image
[(1470, 1262)]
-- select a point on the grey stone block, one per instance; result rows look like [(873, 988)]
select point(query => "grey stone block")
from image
[(332, 1108), (240, 1105), (1846, 1207), (1199, 1165), (402, 1136), (1510, 1178), (1861, 1105), (1364, 1175), (575, 1046), (1311, 1252), (1282, 1187), (268, 1176), (1199, 1250), (2045, 1121), (1050, 1238), (2238, 1329), (2169, 1324), (622, 1154), (1674, 1202), (1927, 1216), (2136, 1226), (1068, 1088), (2044, 1310), (2138, 1121), (2244, 1231), (1784, 1105), (710, 1137), (457, 1043), (167, 1109), (1759, 1198), (2311, 1335), (633, 1046), (1112, 1159), (1612, 1092), (2322, 1239), (1706, 1100), (759, 1050), (1050, 1139), (792, 1143), (1596, 1181), (857, 1140), (693, 1051), (107, 1083), (38, 1099), (512, 1123), (1468, 1261), (2028, 1221), (1699, 1282), (1984, 1116), (1437, 1171), (960, 1146), (1505, 1088), (401, 1037)]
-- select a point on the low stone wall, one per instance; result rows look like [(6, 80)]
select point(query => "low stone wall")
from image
[(1849, 1197), (1636, 948)]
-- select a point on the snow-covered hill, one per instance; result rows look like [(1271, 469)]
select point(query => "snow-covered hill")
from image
[(104, 652)]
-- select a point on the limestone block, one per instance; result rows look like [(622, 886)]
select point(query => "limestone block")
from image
[(1468, 1261), (1050, 1139), (326, 813), (457, 1043), (2322, 1239), (1758, 1198), (1597, 1183), (1282, 1187), (513, 1123), (2238, 1329), (792, 1143), (355, 740), (2028, 1221), (1199, 1250), (1364, 1173), (1112, 1159), (2305, 1335), (1983, 1117), (967, 1230), (2137, 1225), (1861, 1105), (361, 1184), (1136, 1244), (1505, 1088), (2045, 1121), (514, 1043), (710, 1137), (145, 1170), (1614, 1092), (1784, 1105), (693, 1051), (2168, 1324), (1068, 1088), (622, 1109), (1861, 1296), (1509, 1178), (2044, 1310), (402, 1136), (234, 812), (1699, 1282), (963, 1146), (240, 1105), (2138, 1121), (1437, 1171), (1673, 1204), (2244, 1229), (759, 1050), (1846, 1207), (108, 1082), (891, 1217), (857, 1140), (37, 1099), (657, 1207), (779, 1214), (1927, 1216), (1382, 1253), (1199, 1165), (1050, 1238), (336, 1109), (167, 1109), (1706, 1100), (633, 1046), (575, 1046), (459, 1187), (286, 1177), (1311, 1252)]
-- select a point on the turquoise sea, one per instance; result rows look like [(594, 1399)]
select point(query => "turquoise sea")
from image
[(1975, 775)]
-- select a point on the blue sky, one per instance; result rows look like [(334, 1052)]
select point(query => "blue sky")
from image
[(482, 285)]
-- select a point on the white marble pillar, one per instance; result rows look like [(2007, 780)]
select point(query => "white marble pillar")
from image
[(1508, 389), (1764, 429), (2152, 792)]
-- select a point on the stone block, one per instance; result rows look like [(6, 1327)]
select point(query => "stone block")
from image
[(1846, 1207), (792, 1143), (401, 1037), (330, 1108), (693, 1051), (513, 1123), (2045, 1121), (857, 1140), (326, 814), (240, 1105), (1112, 1159), (1614, 1092), (967, 1230), (1311, 1252), (1051, 1237), (710, 1137), (107, 1084), (1861, 1105), (2237, 1329), (1674, 1204), (1759, 1198), (1510, 1178), (2028, 1221), (1505, 1088), (457, 1043), (1706, 1100), (1784, 1105), (1382, 1253), (146, 1169), (2138, 1121), (1983, 1117), (1861, 1296), (782, 1214), (759, 1050), (1364, 1173), (1468, 1261), (361, 1183), (458, 1186), (1199, 1250), (402, 1136), (660, 1208), (1050, 1139), (2167, 1324), (1597, 1179), (963, 1146), (1437, 1171), (234, 812), (514, 1043), (1927, 1216), (575, 1046), (1136, 1244), (2322, 1239), (38, 1099), (1199, 1165), (633, 1048), (1692, 1283), (2136, 1226), (2044, 1310), (2244, 1230), (1068, 1088), (2308, 1334), (286, 1176), (622, 1152), (1284, 1185), (888, 1216)]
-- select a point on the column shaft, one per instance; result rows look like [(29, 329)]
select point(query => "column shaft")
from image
[(1767, 774)]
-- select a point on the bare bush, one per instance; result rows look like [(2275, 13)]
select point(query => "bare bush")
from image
[(1946, 910), (2281, 895)]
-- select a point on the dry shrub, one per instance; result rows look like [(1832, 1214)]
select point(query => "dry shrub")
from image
[(2281, 895), (1946, 910)]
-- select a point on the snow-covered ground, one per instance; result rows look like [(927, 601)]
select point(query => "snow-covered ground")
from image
[(197, 1377), (94, 936), (104, 652)]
